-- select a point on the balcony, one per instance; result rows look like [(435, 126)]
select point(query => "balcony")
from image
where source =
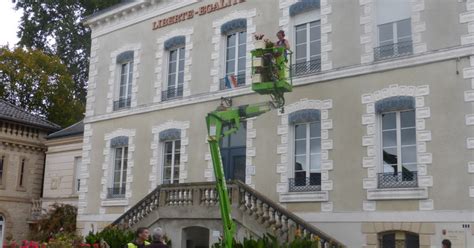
[(305, 184), (232, 81), (394, 50), (306, 68), (172, 93), (122, 103), (405, 179), (116, 193)]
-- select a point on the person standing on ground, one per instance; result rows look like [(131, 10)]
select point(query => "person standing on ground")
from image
[(446, 243), (158, 241), (140, 241)]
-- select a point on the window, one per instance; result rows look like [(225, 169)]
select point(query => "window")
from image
[(21, 173), (175, 74), (307, 150), (398, 150), (397, 239), (2, 227), (171, 157), (307, 48), (2, 170), (394, 29), (125, 65), (119, 173), (77, 171), (235, 62)]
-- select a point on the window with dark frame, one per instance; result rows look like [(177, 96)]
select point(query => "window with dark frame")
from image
[(22, 173), (307, 48), (307, 156), (175, 73)]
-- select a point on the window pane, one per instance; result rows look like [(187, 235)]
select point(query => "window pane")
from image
[(301, 51), (176, 174), (315, 31), (409, 154), (390, 156), (301, 34), (409, 167), (167, 174), (173, 55), (231, 40), (230, 53), (315, 129), (407, 118), (315, 162), (230, 67), (177, 145), (168, 147), (300, 131), (388, 121), (181, 53), (181, 65), (241, 65), (315, 145), (389, 138), (243, 37), (300, 147), (171, 81), (315, 49), (408, 136), (238, 138), (300, 163), (404, 28), (168, 160), (180, 78), (242, 50), (386, 33), (176, 160)]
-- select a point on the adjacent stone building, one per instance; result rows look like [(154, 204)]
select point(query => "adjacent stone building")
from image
[(375, 147), (63, 160), (22, 158)]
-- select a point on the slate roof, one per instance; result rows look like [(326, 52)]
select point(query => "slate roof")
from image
[(74, 129), (13, 113)]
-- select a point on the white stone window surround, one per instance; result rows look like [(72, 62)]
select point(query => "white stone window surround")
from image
[(250, 153), (156, 161), (162, 58), (372, 141), (114, 78), (108, 166), (288, 23), (219, 46), (468, 74), (369, 35), (286, 154)]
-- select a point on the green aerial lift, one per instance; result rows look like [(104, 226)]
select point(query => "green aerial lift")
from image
[(270, 76)]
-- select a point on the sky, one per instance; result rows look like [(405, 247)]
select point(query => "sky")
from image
[(9, 19)]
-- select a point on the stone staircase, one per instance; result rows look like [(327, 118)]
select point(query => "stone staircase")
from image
[(250, 209)]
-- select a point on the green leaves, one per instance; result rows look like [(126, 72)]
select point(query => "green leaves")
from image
[(39, 83), (55, 27)]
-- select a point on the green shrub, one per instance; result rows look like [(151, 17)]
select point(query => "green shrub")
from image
[(270, 241), (114, 236)]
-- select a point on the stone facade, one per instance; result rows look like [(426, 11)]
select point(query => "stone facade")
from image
[(22, 154), (349, 205)]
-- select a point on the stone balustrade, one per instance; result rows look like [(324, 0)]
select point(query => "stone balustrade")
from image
[(243, 198)]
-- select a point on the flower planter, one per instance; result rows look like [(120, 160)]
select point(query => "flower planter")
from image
[(256, 78), (257, 62), (259, 44)]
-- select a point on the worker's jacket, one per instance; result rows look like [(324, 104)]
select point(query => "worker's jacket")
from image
[(135, 245)]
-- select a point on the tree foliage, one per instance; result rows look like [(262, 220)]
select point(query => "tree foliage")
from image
[(60, 220), (55, 26), (39, 83)]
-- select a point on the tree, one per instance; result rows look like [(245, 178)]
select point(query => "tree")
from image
[(39, 83), (59, 219), (55, 26)]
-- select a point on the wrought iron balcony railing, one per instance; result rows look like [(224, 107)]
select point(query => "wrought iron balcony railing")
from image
[(172, 93), (228, 82), (113, 193), (304, 184), (306, 68), (405, 179), (122, 103), (393, 50)]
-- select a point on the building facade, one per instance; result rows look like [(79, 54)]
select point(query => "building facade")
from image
[(376, 143), (63, 160), (22, 156)]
